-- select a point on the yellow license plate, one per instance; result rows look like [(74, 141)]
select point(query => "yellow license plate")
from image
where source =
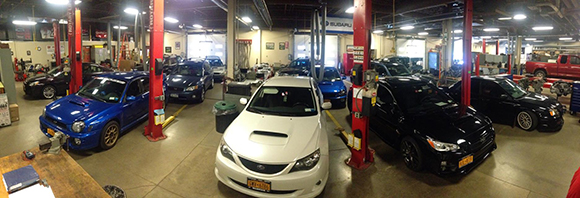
[(50, 131), (260, 185), (465, 161)]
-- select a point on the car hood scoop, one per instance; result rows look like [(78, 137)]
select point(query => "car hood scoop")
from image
[(269, 138)]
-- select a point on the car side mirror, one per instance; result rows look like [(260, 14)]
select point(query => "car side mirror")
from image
[(243, 101), (326, 105), (343, 77), (205, 73), (131, 98), (504, 97)]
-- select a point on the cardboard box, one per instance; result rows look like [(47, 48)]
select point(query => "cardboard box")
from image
[(14, 116), (1, 88), (4, 112), (4, 46), (126, 65)]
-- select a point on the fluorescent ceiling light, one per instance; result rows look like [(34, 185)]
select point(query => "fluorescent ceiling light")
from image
[(378, 31), (491, 29), (504, 18), (122, 27), (537, 41), (520, 16), (246, 19), (428, 29), (132, 11), (566, 38), (198, 26), (408, 27), (350, 10), (486, 37), (255, 27), (171, 20), (423, 33), (457, 31), (540, 28), (62, 2), (530, 39), (19, 22), (62, 21)]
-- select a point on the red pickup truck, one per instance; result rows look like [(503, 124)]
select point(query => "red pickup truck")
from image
[(565, 66)]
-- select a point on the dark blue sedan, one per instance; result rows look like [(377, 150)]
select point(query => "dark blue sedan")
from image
[(189, 81), (332, 87), (97, 114)]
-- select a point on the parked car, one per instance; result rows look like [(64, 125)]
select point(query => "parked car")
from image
[(278, 145), (425, 125), (332, 87), (98, 113), (218, 67), (263, 71), (507, 103), (170, 61), (189, 81), (56, 81), (298, 67), (565, 66)]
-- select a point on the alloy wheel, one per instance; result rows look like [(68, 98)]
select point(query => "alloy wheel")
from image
[(410, 155), (525, 120), (48, 92), (111, 135)]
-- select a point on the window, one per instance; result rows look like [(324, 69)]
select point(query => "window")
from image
[(384, 96), (145, 85), (96, 69), (564, 60), (574, 60), (133, 89), (284, 101), (491, 89), (382, 70)]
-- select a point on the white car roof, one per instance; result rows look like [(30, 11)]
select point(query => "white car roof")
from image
[(289, 81)]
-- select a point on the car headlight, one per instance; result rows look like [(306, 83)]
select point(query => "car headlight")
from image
[(44, 112), (553, 112), (226, 151), (307, 162), (191, 88), (35, 83), (342, 92), (442, 146), (78, 126)]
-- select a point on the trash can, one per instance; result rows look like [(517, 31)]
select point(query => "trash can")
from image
[(225, 113)]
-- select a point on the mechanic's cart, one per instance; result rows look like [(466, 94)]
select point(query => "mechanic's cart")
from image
[(575, 98)]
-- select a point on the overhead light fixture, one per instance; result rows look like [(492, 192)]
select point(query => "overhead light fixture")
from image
[(350, 10), (565, 38), (486, 37), (504, 18), (537, 41), (540, 28), (44, 21), (491, 29), (407, 27), (520, 17), (527, 44), (20, 22), (198, 26), (246, 19), (132, 11), (171, 20), (255, 27), (530, 39), (457, 31), (62, 2), (122, 27), (62, 21), (428, 29), (423, 33), (378, 32)]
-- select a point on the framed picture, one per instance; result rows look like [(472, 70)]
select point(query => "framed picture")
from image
[(177, 45), (270, 45), (282, 46), (167, 49)]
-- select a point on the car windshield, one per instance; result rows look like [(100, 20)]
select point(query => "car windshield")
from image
[(103, 89), (330, 74), (398, 70), (414, 98), (189, 70), (215, 62), (300, 64), (283, 101), (512, 88), (55, 71)]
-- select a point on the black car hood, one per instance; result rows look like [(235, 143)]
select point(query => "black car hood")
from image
[(294, 71), (38, 77), (447, 124), (181, 81), (534, 100)]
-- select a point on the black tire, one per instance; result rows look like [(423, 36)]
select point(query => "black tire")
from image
[(527, 120), (572, 112), (48, 92), (201, 96), (110, 135), (211, 85), (412, 154), (540, 73)]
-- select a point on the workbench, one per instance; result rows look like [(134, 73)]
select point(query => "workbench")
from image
[(62, 173)]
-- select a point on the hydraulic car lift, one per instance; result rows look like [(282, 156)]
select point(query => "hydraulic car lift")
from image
[(466, 71), (75, 45), (154, 129), (56, 32)]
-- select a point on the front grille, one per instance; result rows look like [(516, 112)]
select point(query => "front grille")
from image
[(271, 191), (259, 75), (329, 95), (174, 89), (262, 168), (56, 122), (479, 141)]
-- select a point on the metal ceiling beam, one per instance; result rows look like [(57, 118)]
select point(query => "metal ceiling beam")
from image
[(263, 10), (221, 4)]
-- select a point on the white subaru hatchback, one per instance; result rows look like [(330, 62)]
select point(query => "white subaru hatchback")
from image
[(278, 145)]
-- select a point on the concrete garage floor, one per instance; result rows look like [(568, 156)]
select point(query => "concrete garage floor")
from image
[(526, 164)]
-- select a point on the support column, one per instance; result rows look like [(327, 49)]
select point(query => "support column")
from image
[(75, 55), (144, 45), (448, 57), (312, 53), (231, 37), (119, 40), (466, 70), (483, 46), (518, 53), (56, 33), (323, 45), (109, 44), (154, 129), (497, 47)]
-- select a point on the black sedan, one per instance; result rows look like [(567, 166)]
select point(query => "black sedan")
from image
[(426, 126), (506, 103), (56, 81), (189, 81)]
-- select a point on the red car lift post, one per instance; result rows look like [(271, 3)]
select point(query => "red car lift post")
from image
[(482, 45), (75, 45), (361, 159), (56, 31), (466, 71), (509, 64), (477, 64), (154, 129)]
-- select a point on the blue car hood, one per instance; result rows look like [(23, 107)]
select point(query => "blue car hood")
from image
[(73, 108), (331, 87), (181, 81)]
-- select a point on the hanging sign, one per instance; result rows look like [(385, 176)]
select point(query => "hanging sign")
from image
[(337, 25), (358, 54)]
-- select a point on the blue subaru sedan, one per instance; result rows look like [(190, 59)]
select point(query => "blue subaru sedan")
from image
[(332, 87), (97, 114)]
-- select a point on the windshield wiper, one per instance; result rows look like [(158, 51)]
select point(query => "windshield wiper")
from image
[(91, 97), (255, 110)]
